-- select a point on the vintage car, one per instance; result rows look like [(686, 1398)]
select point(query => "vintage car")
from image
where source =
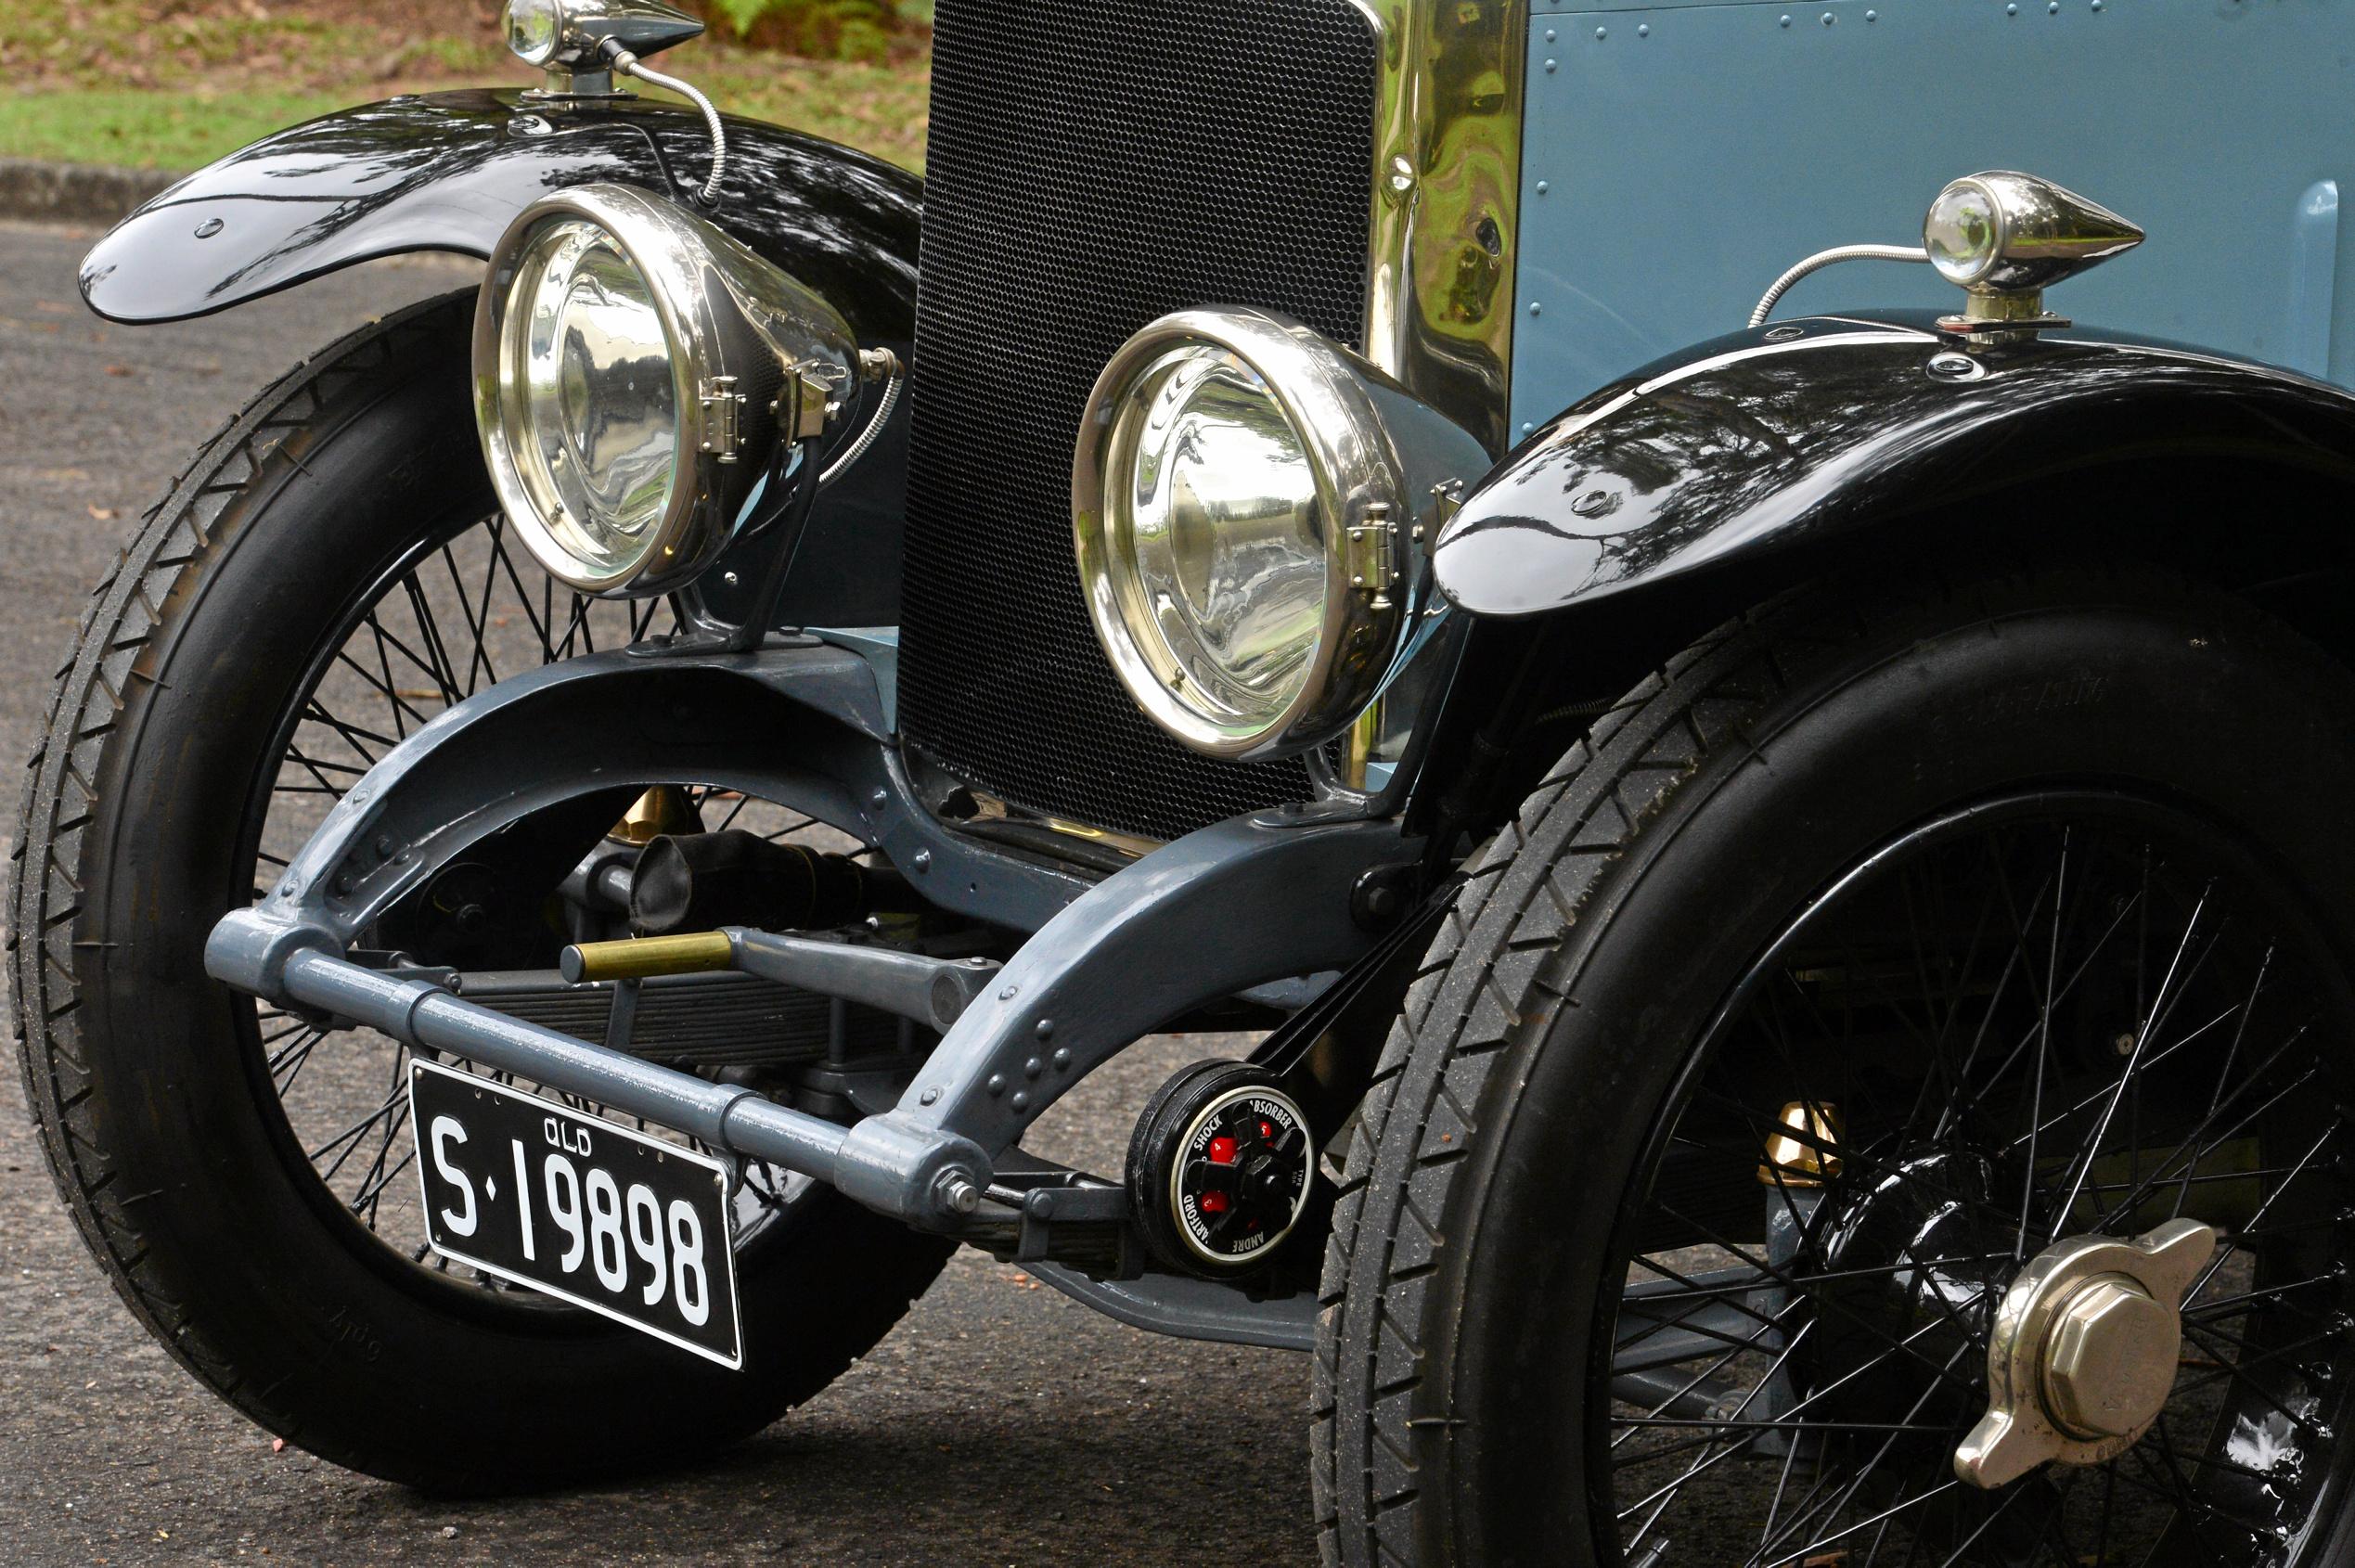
[(1791, 883)]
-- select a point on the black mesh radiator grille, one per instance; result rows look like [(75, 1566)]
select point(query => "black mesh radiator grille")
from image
[(1095, 164)]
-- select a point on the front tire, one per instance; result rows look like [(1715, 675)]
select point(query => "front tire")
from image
[(1745, 828), (168, 1113)]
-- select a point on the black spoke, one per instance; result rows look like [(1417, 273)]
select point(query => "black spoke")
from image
[(2167, 994), (2030, 1029), (459, 614)]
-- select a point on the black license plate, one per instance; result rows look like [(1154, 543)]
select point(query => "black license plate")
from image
[(600, 1215)]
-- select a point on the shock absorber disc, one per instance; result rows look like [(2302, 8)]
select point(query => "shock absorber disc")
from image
[(1219, 1168)]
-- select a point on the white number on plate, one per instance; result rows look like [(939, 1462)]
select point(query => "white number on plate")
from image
[(605, 1225), (646, 1239), (524, 1196), (564, 1207), (686, 1258)]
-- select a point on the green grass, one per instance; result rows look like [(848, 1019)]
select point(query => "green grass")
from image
[(877, 109), (145, 130), (100, 43), (147, 86)]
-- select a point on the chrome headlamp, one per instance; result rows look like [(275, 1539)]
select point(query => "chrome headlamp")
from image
[(571, 34), (2005, 233), (1248, 506), (635, 368)]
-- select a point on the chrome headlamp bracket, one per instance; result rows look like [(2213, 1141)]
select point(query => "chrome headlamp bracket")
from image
[(755, 357), (1379, 457)]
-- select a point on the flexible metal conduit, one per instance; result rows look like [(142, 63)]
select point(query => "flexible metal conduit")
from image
[(628, 64), (896, 378), (1822, 258)]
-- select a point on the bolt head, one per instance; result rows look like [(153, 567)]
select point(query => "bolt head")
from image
[(2112, 1361)]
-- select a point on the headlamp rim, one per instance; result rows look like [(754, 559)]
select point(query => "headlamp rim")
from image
[(634, 222), (544, 57), (1355, 469), (1993, 256)]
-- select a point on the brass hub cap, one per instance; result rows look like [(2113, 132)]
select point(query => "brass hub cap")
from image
[(2084, 1350)]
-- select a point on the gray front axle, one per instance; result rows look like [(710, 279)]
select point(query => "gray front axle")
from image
[(1253, 900)]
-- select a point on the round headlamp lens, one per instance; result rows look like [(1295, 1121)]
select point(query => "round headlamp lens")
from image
[(1211, 496), (589, 396), (533, 28), (1964, 232)]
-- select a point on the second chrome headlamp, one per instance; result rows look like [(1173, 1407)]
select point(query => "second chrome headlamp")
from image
[(1248, 506), (635, 368)]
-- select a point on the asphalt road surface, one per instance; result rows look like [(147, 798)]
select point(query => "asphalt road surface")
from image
[(1000, 1423)]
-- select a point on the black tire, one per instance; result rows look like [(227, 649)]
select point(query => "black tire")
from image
[(1467, 1292), (159, 1122)]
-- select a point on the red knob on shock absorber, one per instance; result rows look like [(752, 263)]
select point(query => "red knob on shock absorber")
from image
[(1219, 1168)]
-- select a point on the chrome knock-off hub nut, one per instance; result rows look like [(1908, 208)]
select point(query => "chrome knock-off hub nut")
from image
[(2112, 1359), (2084, 1351)]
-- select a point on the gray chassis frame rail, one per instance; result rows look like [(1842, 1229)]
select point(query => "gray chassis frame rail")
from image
[(1246, 902)]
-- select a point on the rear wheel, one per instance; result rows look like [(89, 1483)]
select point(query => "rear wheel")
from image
[(330, 574), (1883, 945)]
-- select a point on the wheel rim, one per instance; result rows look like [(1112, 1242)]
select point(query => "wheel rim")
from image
[(455, 615), (2051, 1016)]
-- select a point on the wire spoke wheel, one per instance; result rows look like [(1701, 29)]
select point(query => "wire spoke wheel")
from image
[(455, 617), (329, 578), (2050, 1017)]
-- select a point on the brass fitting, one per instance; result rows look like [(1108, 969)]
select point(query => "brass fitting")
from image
[(688, 953)]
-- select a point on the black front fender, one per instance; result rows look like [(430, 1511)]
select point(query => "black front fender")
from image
[(450, 170), (1836, 429), (447, 172)]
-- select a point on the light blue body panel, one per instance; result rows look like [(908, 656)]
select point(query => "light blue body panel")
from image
[(1677, 156)]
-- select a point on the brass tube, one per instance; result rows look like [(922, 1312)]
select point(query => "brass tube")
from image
[(686, 953), (1364, 739)]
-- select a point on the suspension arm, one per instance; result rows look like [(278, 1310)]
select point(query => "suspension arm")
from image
[(1258, 898)]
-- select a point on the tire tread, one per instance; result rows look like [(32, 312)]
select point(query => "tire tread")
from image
[(1491, 977), (129, 610)]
